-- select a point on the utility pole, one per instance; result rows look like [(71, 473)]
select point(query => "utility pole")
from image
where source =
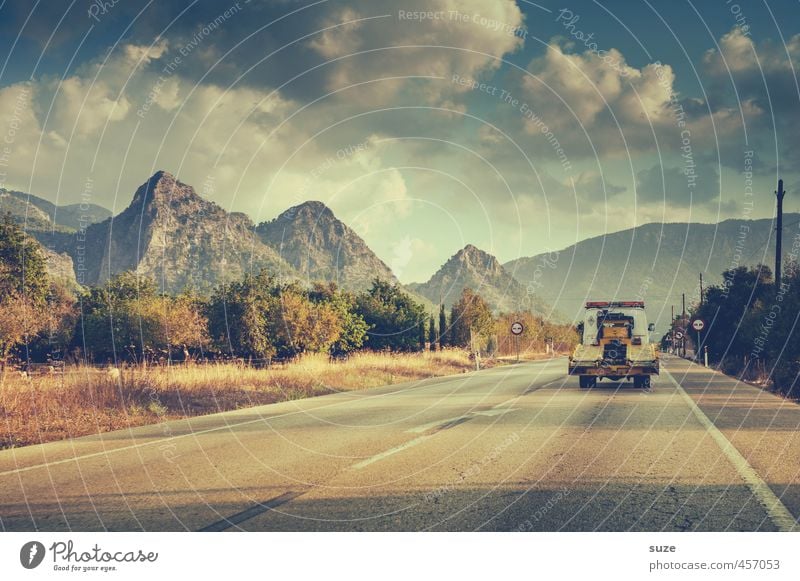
[(701, 289), (778, 238), (672, 330), (683, 322)]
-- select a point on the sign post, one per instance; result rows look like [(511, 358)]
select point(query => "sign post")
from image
[(516, 330), (678, 338), (698, 325)]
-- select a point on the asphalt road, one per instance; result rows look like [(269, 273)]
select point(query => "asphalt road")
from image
[(518, 447)]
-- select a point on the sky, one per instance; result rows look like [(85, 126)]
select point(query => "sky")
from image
[(516, 126)]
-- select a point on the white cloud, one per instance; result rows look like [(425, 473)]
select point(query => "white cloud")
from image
[(465, 38), (579, 88), (87, 106)]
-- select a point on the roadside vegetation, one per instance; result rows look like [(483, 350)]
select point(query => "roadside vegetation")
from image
[(753, 328), (87, 399), (83, 361)]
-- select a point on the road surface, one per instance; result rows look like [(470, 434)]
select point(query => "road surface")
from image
[(515, 448)]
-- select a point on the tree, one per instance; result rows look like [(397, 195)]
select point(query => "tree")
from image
[(392, 316), (19, 321), (261, 319), (432, 337), (59, 324), (443, 334), (115, 321), (24, 265), (24, 287), (781, 315), (183, 323), (470, 317), (353, 327), (733, 313), (127, 318), (422, 334), (491, 346), (299, 325), (238, 317)]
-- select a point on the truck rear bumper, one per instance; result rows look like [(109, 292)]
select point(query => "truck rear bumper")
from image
[(613, 370)]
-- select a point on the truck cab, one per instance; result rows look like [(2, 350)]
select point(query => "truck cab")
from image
[(615, 345)]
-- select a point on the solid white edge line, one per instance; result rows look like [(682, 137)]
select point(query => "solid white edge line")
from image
[(777, 511)]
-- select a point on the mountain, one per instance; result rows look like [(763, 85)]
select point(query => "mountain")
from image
[(474, 268), (321, 247), (60, 267), (653, 262), (171, 234), (37, 214)]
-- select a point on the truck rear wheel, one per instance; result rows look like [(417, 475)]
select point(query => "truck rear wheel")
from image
[(587, 381), (642, 381)]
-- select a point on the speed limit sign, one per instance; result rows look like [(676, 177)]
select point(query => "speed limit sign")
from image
[(517, 328), (698, 324)]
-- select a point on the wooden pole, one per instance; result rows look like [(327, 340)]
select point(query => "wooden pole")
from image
[(779, 235)]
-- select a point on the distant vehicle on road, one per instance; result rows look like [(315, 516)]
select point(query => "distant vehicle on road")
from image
[(615, 345)]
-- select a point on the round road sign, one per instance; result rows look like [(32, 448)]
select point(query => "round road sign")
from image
[(517, 328), (698, 324), (678, 335)]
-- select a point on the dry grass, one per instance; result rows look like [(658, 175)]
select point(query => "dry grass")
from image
[(87, 400)]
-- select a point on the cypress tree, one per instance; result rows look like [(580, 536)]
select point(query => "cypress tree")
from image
[(432, 333), (442, 328)]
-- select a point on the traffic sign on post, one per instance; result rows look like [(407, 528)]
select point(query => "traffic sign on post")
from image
[(516, 330), (698, 325)]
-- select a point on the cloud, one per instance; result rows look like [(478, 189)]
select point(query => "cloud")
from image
[(467, 37), (673, 187), (583, 89), (338, 39), (756, 84)]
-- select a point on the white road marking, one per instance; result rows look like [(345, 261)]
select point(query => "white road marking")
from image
[(391, 451), (507, 402), (440, 423), (494, 412), (429, 426), (777, 511)]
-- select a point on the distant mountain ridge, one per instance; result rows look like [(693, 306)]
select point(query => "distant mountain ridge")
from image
[(53, 226), (654, 262), (181, 240), (35, 213)]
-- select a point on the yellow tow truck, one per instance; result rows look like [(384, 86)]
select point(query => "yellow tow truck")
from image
[(615, 345)]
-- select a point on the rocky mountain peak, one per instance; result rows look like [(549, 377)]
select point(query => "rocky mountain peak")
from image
[(164, 189), (321, 247), (178, 238), (475, 259), (482, 272), (312, 208)]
